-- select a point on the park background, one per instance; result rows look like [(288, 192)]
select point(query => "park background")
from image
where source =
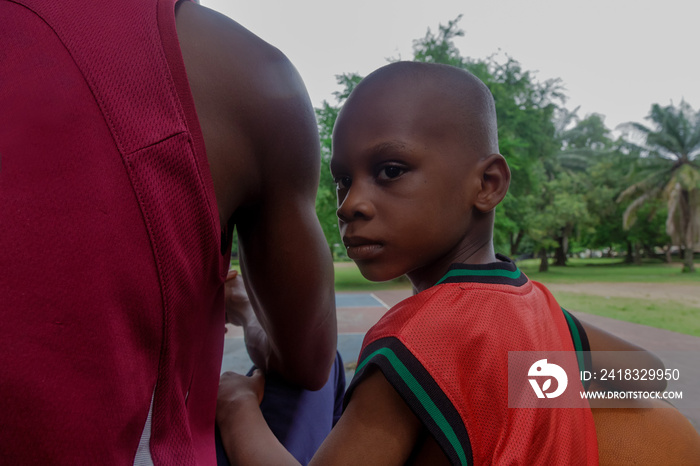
[(608, 217)]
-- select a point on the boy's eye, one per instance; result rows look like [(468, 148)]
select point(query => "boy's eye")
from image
[(343, 182), (389, 172)]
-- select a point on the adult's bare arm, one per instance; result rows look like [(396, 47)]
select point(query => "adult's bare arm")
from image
[(262, 145), (285, 257)]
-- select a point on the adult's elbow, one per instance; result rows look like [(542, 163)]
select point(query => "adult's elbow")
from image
[(315, 380), (313, 371)]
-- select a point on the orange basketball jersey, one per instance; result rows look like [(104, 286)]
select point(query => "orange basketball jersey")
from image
[(445, 350)]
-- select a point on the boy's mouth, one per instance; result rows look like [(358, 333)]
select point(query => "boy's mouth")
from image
[(359, 248)]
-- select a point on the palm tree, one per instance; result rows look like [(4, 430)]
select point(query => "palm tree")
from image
[(671, 172)]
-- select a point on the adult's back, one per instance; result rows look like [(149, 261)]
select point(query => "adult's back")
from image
[(111, 214)]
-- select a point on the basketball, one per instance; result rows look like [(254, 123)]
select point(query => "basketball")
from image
[(649, 432)]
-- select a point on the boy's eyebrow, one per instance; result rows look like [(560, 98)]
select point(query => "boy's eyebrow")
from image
[(378, 150), (388, 146)]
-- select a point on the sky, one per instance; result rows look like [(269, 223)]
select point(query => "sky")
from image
[(614, 57)]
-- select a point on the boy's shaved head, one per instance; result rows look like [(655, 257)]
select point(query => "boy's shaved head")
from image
[(451, 96), (415, 158)]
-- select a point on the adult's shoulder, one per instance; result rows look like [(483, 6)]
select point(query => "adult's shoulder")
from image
[(256, 116), (240, 69)]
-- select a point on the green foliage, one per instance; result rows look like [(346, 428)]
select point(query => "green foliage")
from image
[(440, 48), (676, 134), (348, 81), (325, 197), (607, 173), (567, 172), (670, 172), (526, 133), (326, 200), (588, 136)]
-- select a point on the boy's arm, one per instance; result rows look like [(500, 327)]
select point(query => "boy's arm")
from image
[(377, 428), (631, 356)]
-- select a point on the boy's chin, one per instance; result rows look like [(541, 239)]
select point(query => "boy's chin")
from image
[(377, 274)]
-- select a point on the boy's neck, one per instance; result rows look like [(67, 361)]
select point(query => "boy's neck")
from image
[(427, 276)]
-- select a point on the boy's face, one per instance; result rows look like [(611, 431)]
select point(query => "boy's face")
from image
[(405, 182)]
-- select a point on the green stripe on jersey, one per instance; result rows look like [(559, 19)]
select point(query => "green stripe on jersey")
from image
[(481, 273), (422, 396)]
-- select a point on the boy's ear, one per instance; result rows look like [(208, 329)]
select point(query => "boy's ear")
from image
[(495, 179)]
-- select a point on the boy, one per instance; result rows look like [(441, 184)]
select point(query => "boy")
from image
[(415, 158)]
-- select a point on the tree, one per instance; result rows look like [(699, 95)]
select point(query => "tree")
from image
[(440, 48), (560, 205), (609, 174), (670, 172), (528, 139), (326, 201), (580, 145), (524, 109)]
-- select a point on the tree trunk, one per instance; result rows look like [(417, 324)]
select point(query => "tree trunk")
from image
[(688, 263), (667, 253), (637, 254), (515, 245), (629, 258), (544, 264), (560, 251)]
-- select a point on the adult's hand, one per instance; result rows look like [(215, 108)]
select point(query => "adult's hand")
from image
[(240, 312)]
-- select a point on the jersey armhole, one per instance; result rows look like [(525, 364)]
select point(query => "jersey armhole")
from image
[(420, 392), (581, 344)]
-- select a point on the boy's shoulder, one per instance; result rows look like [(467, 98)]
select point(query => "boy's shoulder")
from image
[(465, 291), (482, 314)]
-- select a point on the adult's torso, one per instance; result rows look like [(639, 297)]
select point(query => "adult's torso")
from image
[(110, 265)]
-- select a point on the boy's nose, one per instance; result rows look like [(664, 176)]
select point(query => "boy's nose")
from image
[(355, 206)]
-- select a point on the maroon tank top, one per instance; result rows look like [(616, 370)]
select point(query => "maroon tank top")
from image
[(111, 275)]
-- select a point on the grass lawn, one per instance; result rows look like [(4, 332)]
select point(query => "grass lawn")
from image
[(611, 271), (660, 313), (349, 278)]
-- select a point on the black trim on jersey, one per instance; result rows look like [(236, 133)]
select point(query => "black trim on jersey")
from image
[(420, 392), (581, 344), (504, 272)]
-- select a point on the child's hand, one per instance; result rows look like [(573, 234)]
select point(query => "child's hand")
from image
[(239, 311), (238, 392), (245, 434)]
